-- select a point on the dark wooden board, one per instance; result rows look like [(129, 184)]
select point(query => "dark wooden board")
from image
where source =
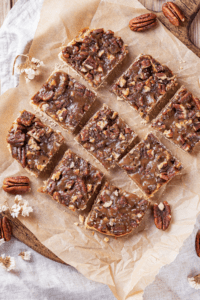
[(190, 9)]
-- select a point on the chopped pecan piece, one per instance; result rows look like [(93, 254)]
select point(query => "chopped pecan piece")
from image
[(173, 13), (197, 243), (5, 229)]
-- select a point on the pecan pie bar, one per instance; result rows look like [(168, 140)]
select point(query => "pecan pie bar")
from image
[(116, 212), (32, 143), (106, 136), (145, 85), (179, 121), (94, 54), (74, 182), (64, 99), (150, 165)]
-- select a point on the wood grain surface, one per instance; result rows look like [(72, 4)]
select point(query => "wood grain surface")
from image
[(188, 34)]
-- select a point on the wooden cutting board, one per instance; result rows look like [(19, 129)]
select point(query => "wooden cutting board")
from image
[(190, 9)]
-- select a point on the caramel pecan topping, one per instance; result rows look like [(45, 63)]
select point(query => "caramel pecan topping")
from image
[(143, 22), (32, 143), (94, 54), (106, 136), (73, 182), (64, 99), (116, 212), (144, 84), (180, 120), (150, 165), (173, 13)]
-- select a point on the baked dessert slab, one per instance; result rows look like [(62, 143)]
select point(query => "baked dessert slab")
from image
[(93, 54), (179, 121), (116, 212), (150, 165), (145, 85), (32, 143), (106, 136), (73, 182), (64, 99)]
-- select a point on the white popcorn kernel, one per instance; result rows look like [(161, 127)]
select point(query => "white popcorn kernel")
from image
[(25, 255), (7, 262)]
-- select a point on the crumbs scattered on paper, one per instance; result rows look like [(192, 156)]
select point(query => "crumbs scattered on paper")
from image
[(25, 255), (20, 207), (7, 262), (81, 219), (194, 282), (30, 68)]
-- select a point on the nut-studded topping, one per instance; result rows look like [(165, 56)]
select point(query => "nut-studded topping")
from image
[(116, 212), (107, 136), (162, 215), (94, 54), (73, 182), (197, 243), (5, 229), (16, 185), (173, 13), (32, 143), (144, 85), (180, 120), (143, 22), (150, 165), (68, 100)]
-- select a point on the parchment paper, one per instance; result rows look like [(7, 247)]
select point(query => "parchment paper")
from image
[(127, 265)]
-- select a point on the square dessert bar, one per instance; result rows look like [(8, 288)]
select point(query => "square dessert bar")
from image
[(32, 143), (145, 85), (116, 212), (179, 121), (106, 136), (93, 54), (150, 165), (73, 182), (64, 99)]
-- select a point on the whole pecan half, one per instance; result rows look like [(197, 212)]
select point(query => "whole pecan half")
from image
[(173, 13), (197, 243), (16, 185), (5, 229), (162, 215), (143, 22)]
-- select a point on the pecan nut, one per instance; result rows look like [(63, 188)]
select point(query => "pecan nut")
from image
[(197, 243), (5, 229), (173, 13), (162, 215), (16, 185), (143, 22)]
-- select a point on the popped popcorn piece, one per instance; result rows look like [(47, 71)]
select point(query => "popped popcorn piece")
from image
[(3, 207), (7, 262), (20, 207), (194, 282), (25, 255), (106, 239)]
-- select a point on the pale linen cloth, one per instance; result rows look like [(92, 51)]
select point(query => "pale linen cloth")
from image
[(41, 278)]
